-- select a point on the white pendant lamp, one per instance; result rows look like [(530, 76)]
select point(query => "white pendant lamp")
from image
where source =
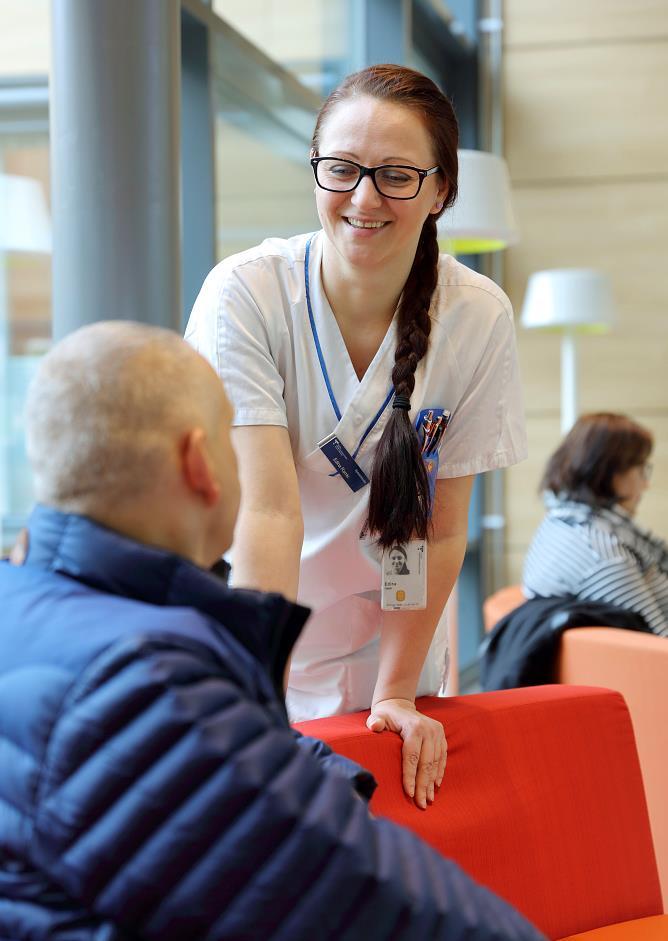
[(482, 219)]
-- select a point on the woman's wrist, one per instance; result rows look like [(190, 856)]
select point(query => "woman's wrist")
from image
[(385, 697)]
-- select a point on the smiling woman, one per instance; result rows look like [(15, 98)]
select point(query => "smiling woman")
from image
[(347, 353)]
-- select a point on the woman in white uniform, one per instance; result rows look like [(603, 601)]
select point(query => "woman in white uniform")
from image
[(358, 332)]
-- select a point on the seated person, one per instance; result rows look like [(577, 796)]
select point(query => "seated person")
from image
[(150, 784), (588, 544)]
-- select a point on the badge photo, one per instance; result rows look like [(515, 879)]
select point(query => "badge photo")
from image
[(404, 576)]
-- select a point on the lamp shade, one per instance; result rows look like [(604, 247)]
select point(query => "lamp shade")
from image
[(577, 299), (482, 219), (24, 219)]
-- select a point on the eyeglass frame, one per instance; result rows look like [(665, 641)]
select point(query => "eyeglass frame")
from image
[(371, 171)]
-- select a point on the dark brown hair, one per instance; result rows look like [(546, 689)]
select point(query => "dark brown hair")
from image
[(399, 504), (597, 447)]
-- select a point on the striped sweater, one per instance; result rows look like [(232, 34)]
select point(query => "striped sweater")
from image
[(599, 554)]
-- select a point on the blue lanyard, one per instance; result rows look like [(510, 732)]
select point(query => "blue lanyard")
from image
[(323, 365)]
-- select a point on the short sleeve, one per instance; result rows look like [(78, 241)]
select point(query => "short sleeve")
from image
[(229, 329), (487, 429)]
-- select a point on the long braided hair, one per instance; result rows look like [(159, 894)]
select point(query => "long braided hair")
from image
[(399, 503)]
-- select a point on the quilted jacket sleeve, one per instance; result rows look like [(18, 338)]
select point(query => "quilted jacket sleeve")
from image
[(361, 780), (174, 806)]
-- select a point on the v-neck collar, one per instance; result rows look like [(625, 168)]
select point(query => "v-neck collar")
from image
[(353, 395)]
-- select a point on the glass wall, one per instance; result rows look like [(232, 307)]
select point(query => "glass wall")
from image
[(270, 64), (260, 191), (25, 316), (264, 119), (309, 39), (25, 263)]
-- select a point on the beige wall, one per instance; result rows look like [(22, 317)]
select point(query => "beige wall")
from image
[(586, 138)]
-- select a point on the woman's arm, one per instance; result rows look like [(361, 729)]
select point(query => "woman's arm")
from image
[(405, 640), (270, 529)]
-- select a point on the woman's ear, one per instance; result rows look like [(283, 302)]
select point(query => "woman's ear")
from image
[(441, 196)]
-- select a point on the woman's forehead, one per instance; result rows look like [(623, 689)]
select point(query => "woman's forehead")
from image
[(357, 125)]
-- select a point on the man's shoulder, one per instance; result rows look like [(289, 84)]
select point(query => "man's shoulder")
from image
[(71, 623)]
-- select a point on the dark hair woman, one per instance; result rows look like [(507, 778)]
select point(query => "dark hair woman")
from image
[(588, 544), (347, 353)]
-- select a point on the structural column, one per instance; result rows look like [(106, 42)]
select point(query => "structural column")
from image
[(115, 159)]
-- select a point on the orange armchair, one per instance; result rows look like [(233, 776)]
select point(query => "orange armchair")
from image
[(637, 666), (542, 801), (634, 664), (499, 604)]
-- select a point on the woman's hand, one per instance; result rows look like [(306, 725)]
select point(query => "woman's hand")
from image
[(425, 749)]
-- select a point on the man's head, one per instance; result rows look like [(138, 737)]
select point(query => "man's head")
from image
[(127, 424)]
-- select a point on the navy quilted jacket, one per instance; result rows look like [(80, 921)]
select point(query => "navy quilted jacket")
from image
[(150, 785)]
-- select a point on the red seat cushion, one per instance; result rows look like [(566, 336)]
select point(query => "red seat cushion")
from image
[(542, 800), (645, 929)]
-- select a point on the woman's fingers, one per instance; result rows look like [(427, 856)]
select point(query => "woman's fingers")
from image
[(424, 757), (424, 750), (442, 762), (410, 760), (426, 773), (375, 723)]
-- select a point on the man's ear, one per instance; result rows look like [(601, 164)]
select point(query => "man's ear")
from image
[(197, 469)]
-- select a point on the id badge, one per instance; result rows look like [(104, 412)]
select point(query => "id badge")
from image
[(343, 462), (404, 577)]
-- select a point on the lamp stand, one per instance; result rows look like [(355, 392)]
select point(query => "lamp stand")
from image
[(569, 381)]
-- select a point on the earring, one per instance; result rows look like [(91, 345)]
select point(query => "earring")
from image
[(438, 206)]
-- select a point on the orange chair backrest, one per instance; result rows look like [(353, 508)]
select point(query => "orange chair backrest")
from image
[(501, 603)]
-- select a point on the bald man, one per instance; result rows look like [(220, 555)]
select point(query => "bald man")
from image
[(150, 785)]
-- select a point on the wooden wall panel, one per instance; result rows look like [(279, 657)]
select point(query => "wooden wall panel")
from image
[(586, 111), (586, 136), (514, 563), (620, 371), (530, 22), (524, 508), (621, 228)]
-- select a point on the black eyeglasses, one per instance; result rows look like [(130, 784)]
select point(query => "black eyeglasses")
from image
[(393, 181)]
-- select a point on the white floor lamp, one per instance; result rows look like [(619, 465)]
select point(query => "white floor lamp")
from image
[(569, 301)]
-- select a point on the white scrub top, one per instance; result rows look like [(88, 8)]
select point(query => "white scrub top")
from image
[(251, 321)]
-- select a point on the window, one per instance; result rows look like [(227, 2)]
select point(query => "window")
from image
[(309, 39), (25, 276)]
